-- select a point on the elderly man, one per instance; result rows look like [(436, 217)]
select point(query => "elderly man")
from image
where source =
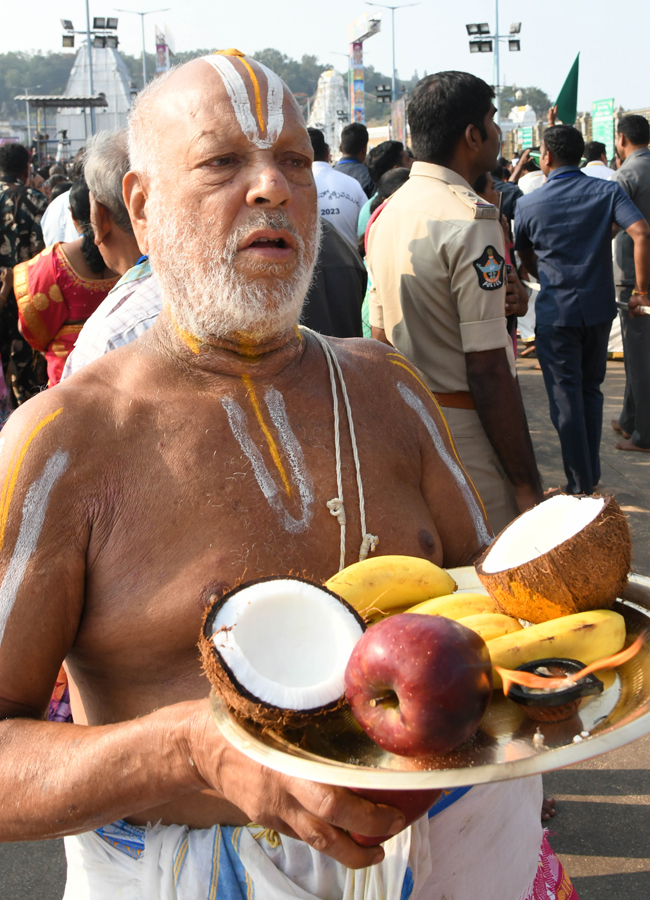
[(170, 469)]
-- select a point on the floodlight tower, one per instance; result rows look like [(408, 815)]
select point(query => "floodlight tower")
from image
[(482, 42), (102, 35)]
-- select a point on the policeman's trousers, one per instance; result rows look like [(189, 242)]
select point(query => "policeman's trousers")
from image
[(482, 463)]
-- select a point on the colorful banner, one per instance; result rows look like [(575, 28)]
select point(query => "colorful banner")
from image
[(398, 120), (162, 52), (357, 101), (602, 126)]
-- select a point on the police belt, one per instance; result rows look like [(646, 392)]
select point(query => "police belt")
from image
[(457, 400)]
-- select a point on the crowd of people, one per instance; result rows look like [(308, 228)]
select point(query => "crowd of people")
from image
[(178, 291)]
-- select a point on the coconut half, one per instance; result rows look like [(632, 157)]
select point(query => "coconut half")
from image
[(276, 649), (566, 555)]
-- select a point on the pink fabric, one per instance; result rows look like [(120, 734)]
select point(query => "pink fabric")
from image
[(551, 880)]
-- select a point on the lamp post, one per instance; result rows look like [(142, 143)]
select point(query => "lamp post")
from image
[(101, 35), (482, 42), (142, 15), (392, 12)]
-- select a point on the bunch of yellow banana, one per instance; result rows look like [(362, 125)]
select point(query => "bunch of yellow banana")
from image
[(586, 636), (384, 585)]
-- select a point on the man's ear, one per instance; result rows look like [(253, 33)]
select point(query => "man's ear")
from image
[(473, 138), (100, 220), (135, 198)]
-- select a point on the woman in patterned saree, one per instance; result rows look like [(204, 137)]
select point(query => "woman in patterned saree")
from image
[(60, 288)]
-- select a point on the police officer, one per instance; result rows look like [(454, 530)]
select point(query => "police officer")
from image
[(436, 255)]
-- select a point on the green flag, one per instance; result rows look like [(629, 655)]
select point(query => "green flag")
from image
[(567, 101)]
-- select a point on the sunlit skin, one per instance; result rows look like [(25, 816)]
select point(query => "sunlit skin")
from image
[(159, 510)]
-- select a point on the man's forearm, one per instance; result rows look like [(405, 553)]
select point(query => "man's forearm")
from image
[(642, 262), (58, 779), (500, 408)]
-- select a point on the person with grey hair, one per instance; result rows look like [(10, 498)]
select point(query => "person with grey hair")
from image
[(134, 303)]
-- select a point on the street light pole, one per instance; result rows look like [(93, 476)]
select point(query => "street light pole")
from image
[(142, 15), (392, 10), (497, 66), (93, 122)]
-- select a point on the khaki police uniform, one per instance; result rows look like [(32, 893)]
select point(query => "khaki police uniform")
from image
[(436, 256)]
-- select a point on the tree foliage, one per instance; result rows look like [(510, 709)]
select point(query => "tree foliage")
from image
[(47, 73), (512, 95)]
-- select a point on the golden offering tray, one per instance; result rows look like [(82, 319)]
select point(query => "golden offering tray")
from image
[(507, 744)]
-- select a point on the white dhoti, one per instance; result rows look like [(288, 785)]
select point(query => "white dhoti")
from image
[(486, 845)]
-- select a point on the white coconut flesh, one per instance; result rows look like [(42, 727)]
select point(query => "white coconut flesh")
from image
[(541, 529), (287, 642)]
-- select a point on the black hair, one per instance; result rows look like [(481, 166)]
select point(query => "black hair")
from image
[(354, 139), (389, 182), (500, 173), (441, 108), (14, 159), (594, 150), (61, 188), (480, 184), (565, 143), (636, 129), (503, 162), (531, 166), (80, 209), (384, 157), (318, 144)]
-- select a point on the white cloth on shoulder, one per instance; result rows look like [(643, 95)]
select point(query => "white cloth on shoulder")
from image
[(485, 845)]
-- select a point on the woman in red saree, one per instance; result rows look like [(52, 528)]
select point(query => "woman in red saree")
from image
[(60, 288)]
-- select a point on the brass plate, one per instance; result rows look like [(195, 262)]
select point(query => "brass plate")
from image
[(337, 752)]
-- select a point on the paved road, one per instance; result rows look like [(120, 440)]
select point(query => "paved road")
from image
[(602, 830)]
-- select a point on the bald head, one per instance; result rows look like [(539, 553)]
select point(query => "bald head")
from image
[(226, 83)]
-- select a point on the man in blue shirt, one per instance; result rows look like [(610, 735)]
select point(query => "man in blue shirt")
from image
[(354, 147), (563, 233)]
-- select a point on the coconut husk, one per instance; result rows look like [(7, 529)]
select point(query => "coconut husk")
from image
[(236, 697), (587, 571)]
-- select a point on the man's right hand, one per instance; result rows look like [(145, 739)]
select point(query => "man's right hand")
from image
[(635, 304), (318, 814)]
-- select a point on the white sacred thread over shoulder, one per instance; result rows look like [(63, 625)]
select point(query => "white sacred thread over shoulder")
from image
[(31, 525), (456, 470), (238, 94), (368, 541), (238, 421)]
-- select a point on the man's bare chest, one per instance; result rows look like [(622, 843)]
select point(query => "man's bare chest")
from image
[(234, 492)]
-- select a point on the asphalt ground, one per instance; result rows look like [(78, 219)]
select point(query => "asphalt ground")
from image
[(602, 829)]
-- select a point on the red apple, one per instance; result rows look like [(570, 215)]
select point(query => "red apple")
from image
[(412, 803), (419, 685)]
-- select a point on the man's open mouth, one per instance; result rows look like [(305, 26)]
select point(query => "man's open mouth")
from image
[(269, 242), (269, 239)]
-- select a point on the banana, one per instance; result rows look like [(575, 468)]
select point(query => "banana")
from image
[(384, 583), (456, 606), (586, 636), (491, 625)]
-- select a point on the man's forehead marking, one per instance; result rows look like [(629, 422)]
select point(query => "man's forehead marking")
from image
[(252, 125)]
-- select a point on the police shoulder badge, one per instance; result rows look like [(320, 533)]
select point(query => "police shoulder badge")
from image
[(490, 269)]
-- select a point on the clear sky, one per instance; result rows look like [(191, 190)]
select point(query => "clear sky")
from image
[(612, 37)]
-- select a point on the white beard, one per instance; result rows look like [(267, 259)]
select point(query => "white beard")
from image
[(208, 297)]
